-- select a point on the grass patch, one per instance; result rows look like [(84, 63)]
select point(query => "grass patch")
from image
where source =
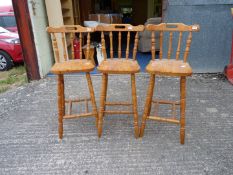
[(12, 78)]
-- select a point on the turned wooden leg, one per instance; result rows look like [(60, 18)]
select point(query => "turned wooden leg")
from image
[(102, 103), (61, 103), (182, 108), (147, 106), (106, 87), (135, 105), (92, 95)]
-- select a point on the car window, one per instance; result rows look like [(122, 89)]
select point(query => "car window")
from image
[(1, 22), (9, 21)]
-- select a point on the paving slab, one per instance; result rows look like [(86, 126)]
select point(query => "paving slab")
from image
[(29, 141)]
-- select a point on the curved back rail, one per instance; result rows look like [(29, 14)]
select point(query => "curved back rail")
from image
[(109, 29), (171, 28)]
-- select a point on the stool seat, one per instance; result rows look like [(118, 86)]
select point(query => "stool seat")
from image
[(119, 66), (169, 67), (72, 66)]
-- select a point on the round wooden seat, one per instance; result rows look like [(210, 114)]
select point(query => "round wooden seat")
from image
[(169, 67), (73, 66), (119, 66)]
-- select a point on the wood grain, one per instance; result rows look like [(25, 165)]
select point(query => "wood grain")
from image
[(170, 45), (147, 107), (119, 44), (119, 27), (60, 97), (135, 46), (169, 67), (135, 105), (80, 41), (188, 43), (102, 104), (70, 28), (72, 66), (72, 45), (160, 45), (175, 27), (118, 66), (153, 44), (111, 44), (179, 46), (182, 108), (128, 43)]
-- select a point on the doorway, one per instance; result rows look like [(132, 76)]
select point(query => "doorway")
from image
[(134, 12)]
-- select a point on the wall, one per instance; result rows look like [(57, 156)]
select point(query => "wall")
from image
[(211, 47), (42, 40)]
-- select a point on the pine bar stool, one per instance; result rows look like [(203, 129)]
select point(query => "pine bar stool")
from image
[(169, 67), (62, 41), (118, 66)]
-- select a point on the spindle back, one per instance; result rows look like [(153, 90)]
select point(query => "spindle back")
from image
[(109, 29), (171, 28), (63, 39)]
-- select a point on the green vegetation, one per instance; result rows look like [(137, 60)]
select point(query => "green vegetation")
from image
[(13, 78)]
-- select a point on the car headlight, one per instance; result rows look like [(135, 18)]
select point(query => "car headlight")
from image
[(12, 40)]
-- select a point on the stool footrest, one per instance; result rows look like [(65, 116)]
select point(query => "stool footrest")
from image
[(173, 105), (166, 102), (118, 104), (77, 100), (118, 112), (161, 119), (79, 115)]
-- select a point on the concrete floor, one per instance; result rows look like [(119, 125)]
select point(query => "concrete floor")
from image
[(29, 140)]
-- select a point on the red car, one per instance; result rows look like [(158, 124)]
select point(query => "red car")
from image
[(10, 49)]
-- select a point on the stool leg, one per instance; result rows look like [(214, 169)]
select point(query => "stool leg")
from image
[(135, 105), (182, 108), (106, 87), (92, 95), (102, 103), (147, 106), (61, 103)]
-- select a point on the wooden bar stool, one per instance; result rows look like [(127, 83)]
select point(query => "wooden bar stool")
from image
[(62, 40), (169, 67), (118, 66)]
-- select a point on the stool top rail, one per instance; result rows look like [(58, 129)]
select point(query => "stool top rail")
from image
[(176, 27), (171, 28), (70, 29), (109, 29), (63, 41)]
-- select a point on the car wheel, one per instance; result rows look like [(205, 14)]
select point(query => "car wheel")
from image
[(5, 61)]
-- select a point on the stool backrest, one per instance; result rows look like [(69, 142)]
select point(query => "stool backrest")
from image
[(63, 38), (171, 28), (109, 29)]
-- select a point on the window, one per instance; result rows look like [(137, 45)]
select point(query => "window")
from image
[(7, 21), (1, 22)]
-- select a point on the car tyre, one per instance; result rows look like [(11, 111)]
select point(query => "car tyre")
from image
[(5, 61)]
